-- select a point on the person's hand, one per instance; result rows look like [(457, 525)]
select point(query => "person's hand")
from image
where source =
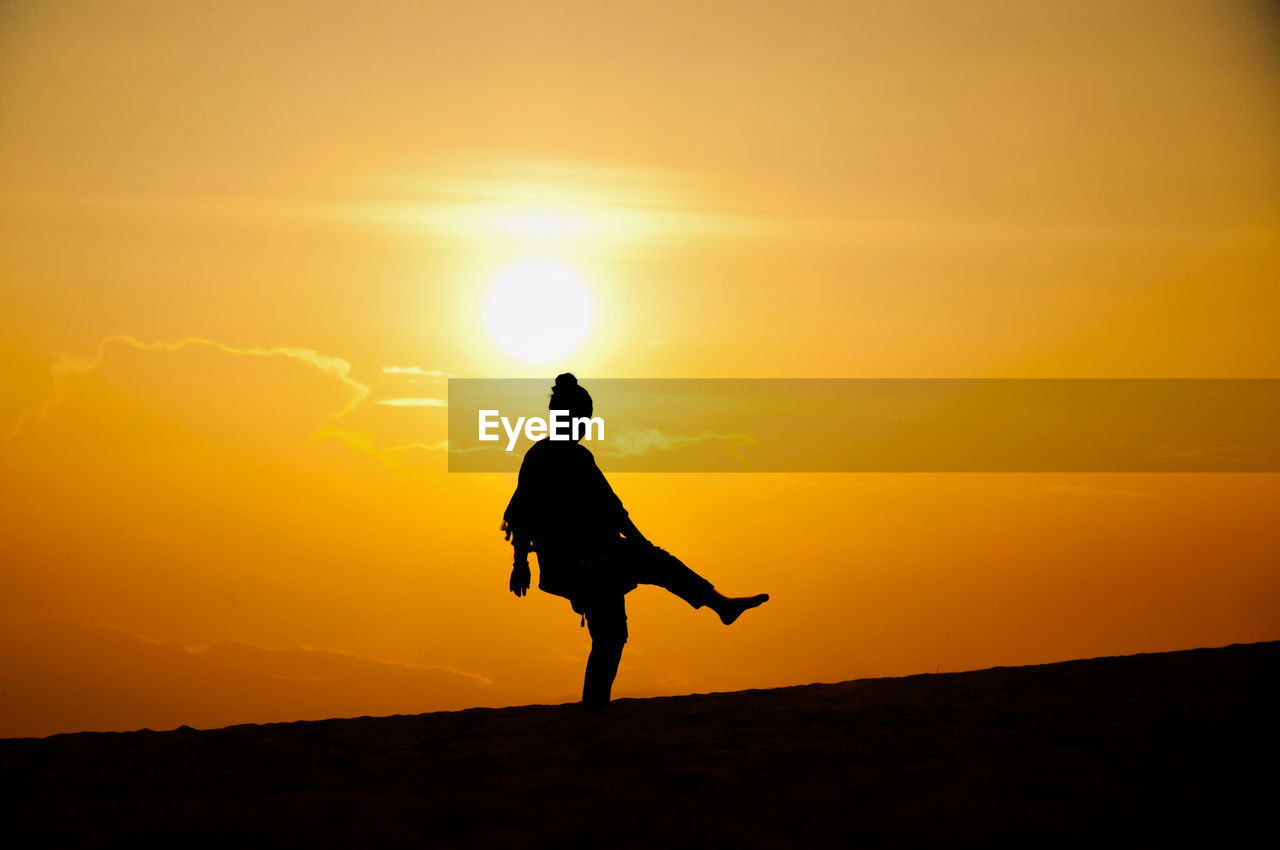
[(520, 579)]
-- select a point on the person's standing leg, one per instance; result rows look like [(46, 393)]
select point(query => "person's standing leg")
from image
[(607, 623)]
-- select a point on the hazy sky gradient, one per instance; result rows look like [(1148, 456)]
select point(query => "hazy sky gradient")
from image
[(221, 224)]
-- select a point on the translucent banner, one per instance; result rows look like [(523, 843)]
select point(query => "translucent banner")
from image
[(890, 425)]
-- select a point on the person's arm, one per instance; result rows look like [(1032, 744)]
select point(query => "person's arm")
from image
[(515, 523), (520, 577)]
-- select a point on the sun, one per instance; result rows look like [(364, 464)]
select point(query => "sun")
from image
[(538, 310)]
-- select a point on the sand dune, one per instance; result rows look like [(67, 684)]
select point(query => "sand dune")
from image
[(1144, 750)]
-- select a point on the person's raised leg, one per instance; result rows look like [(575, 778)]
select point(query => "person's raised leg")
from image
[(607, 623), (650, 564)]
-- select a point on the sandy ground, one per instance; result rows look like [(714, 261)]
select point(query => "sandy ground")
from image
[(1143, 751)]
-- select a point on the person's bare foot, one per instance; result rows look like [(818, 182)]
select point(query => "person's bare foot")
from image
[(731, 607)]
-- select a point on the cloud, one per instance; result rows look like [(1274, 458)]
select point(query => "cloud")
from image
[(413, 402), (61, 675), (540, 200), (333, 366), (415, 370), (1086, 490), (1229, 456), (192, 490), (631, 443), (363, 443), (68, 369)]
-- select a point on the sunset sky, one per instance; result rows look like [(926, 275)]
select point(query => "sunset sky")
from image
[(243, 246)]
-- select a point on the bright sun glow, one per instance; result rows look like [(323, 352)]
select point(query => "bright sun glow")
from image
[(538, 310)]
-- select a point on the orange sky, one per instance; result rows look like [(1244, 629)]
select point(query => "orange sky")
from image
[(219, 228)]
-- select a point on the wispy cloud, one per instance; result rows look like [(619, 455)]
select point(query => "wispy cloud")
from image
[(248, 681), (541, 200), (1086, 490), (197, 649), (478, 678), (67, 366), (1241, 454), (413, 402), (415, 370), (631, 443)]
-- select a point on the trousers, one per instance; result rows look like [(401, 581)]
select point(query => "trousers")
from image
[(606, 611)]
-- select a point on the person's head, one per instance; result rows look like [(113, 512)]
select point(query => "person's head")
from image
[(567, 395)]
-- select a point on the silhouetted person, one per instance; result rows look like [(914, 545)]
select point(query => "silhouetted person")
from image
[(589, 550)]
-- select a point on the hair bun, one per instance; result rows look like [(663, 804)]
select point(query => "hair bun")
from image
[(566, 381)]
